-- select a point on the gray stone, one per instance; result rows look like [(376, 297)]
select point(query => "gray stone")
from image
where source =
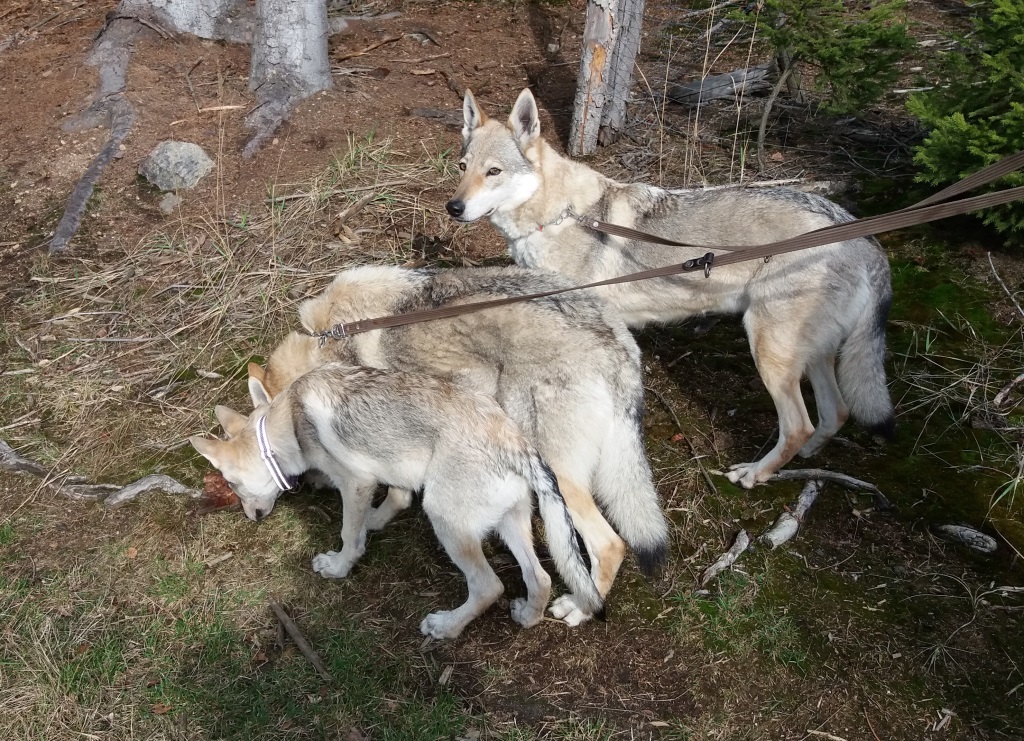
[(175, 165), (169, 202)]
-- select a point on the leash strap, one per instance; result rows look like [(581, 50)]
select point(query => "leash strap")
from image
[(928, 210), (281, 481)]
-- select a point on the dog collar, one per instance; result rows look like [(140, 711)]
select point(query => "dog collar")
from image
[(267, 456), (567, 213)]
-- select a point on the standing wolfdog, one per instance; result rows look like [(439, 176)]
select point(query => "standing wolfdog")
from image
[(565, 369), (360, 426), (801, 310)]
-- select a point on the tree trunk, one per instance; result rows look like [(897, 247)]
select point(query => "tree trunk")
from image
[(629, 17), (591, 84), (228, 20), (289, 61), (611, 40)]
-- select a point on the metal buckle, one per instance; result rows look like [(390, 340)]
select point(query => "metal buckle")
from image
[(698, 262)]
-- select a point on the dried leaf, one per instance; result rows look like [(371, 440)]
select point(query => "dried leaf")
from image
[(131, 553), (162, 708), (677, 437)]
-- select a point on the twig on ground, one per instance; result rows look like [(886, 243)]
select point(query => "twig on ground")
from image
[(788, 523), (829, 736), (1004, 392), (871, 727), (727, 559), (352, 210), (849, 482), (783, 76), (998, 278), (367, 50), (188, 81), (293, 630), (679, 425), (339, 191)]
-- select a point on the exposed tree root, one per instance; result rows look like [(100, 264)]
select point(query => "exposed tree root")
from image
[(785, 528), (110, 54), (78, 489)]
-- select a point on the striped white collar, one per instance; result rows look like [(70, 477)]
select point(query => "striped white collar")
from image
[(267, 455)]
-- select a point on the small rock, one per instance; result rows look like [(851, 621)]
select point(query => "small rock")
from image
[(169, 202), (175, 165)]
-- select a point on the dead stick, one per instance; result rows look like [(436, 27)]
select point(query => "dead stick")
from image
[(293, 630), (352, 210), (870, 726), (367, 50), (996, 274), (188, 81), (1004, 393)]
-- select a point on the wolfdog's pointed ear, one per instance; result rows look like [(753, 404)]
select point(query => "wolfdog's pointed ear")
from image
[(256, 371), (472, 116), (208, 448), (525, 119), (258, 392), (230, 420)]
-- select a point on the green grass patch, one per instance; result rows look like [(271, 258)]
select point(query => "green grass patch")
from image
[(741, 621)]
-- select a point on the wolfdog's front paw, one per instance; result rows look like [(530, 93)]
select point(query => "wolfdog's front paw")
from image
[(564, 608), (441, 625), (331, 565), (526, 614), (745, 475)]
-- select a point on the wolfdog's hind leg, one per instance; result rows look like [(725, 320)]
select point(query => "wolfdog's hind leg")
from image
[(396, 501), (464, 548), (517, 532), (832, 410)]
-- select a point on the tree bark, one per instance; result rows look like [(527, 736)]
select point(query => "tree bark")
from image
[(591, 84), (629, 17), (289, 62)]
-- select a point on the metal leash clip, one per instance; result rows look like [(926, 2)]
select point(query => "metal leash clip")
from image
[(705, 262)]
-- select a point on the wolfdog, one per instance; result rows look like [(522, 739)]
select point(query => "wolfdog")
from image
[(359, 426), (800, 310), (565, 369)]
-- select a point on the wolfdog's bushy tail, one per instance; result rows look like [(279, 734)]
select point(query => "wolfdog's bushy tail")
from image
[(861, 367), (561, 535), (624, 489)]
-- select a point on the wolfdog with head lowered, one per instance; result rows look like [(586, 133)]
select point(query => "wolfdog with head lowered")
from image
[(819, 312), (565, 369), (359, 426)]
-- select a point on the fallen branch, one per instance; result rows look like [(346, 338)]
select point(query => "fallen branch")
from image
[(788, 523), (727, 559), (849, 482), (730, 86), (293, 630)]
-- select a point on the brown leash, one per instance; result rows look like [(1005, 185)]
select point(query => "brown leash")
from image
[(928, 210)]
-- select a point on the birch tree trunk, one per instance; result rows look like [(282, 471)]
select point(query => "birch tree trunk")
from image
[(611, 40)]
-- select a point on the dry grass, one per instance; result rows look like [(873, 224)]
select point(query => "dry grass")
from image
[(167, 328)]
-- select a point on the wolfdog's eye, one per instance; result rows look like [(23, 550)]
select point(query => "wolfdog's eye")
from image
[(462, 166), (494, 171)]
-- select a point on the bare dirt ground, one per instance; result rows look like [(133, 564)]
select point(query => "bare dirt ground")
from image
[(132, 624)]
